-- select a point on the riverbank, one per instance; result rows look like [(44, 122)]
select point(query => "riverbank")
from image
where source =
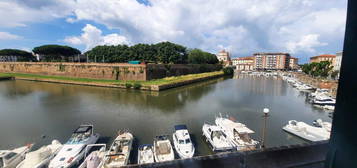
[(332, 85), (152, 85)]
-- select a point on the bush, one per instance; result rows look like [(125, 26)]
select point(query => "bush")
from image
[(137, 85), (128, 85), (228, 71)]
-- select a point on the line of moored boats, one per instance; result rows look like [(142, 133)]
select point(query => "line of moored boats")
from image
[(82, 151)]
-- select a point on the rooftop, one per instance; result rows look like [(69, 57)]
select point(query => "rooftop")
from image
[(323, 55)]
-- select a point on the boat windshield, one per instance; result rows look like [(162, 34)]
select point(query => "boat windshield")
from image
[(181, 141), (188, 141)]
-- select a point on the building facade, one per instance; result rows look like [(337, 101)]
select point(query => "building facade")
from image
[(272, 61), (224, 56), (325, 57), (338, 59), (293, 63), (244, 63)]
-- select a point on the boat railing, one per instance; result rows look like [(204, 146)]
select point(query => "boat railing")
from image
[(88, 147)]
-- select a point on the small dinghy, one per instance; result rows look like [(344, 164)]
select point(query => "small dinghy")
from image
[(41, 157), (94, 159), (119, 152), (162, 149), (182, 142), (217, 138), (145, 154), (74, 149), (307, 131), (11, 158)]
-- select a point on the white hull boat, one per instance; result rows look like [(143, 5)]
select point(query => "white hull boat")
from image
[(306, 131), (163, 150), (11, 158), (74, 149), (323, 124), (41, 157), (96, 158), (237, 133), (119, 152), (216, 137), (146, 154), (182, 142)]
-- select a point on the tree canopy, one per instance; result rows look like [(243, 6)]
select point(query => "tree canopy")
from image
[(164, 52), (56, 52), (20, 54), (318, 69), (197, 56)]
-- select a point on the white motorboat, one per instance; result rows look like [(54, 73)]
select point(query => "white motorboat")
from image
[(323, 100), (217, 138), (11, 158), (41, 157), (163, 150), (74, 149), (304, 87), (96, 158), (307, 131), (145, 154), (319, 92), (119, 152), (237, 133), (182, 142)]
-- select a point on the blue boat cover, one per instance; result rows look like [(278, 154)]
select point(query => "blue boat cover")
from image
[(180, 127)]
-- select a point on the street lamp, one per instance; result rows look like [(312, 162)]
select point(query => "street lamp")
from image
[(266, 112)]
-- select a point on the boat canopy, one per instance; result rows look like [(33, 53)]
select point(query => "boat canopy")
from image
[(144, 145), (180, 127), (240, 128), (83, 129)]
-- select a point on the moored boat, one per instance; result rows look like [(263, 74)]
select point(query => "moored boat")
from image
[(163, 150), (217, 138), (237, 133), (307, 131), (96, 158), (182, 142), (74, 149), (11, 158), (41, 157), (119, 152), (146, 154)]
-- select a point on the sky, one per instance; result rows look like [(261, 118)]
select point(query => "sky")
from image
[(303, 28)]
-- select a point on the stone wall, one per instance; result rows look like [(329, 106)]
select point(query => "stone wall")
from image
[(80, 70), (118, 71)]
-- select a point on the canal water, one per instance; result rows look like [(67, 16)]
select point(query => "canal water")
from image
[(39, 112)]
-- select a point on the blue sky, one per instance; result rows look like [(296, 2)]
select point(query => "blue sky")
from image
[(303, 28)]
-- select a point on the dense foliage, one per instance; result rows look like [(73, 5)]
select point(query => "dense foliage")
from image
[(56, 52), (228, 71), (164, 52), (197, 56), (20, 54), (318, 69)]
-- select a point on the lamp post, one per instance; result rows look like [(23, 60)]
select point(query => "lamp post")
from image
[(266, 112)]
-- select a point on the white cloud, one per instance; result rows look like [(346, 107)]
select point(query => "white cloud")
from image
[(243, 26), (92, 36), (307, 43), (8, 36)]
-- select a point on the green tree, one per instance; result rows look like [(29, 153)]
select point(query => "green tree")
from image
[(171, 53), (20, 54), (197, 56), (318, 69), (56, 52)]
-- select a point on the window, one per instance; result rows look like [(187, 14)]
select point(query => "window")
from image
[(10, 155), (62, 159), (188, 141), (181, 141)]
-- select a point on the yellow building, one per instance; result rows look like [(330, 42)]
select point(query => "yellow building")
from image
[(325, 57)]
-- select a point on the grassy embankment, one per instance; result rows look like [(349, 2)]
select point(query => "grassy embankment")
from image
[(120, 83)]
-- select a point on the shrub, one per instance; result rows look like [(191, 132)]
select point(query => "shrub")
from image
[(128, 85), (228, 71), (137, 85)]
